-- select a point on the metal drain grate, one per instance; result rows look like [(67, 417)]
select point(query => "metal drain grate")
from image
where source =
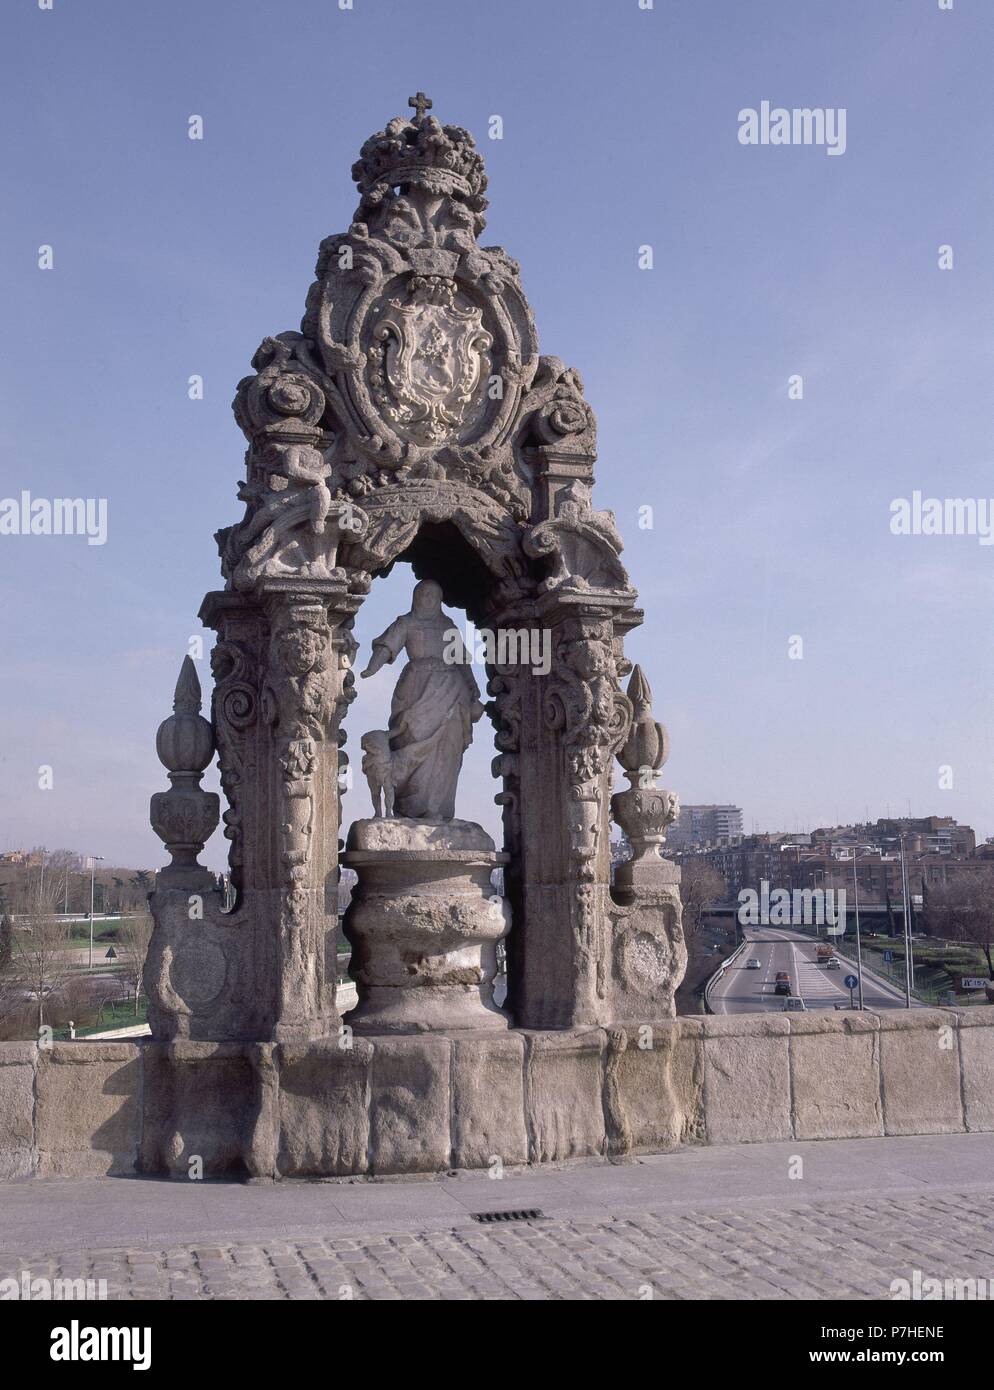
[(489, 1217)]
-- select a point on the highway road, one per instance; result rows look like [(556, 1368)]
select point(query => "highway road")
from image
[(741, 990)]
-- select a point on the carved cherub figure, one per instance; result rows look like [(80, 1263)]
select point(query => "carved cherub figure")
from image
[(302, 463), (377, 770)]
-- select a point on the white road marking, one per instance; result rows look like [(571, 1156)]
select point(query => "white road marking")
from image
[(819, 987), (813, 983)]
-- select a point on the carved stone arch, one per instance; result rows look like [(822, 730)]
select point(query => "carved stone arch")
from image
[(412, 523)]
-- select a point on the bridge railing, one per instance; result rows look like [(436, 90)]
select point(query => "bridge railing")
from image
[(718, 974)]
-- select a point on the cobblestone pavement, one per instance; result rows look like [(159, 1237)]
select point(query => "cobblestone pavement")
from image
[(819, 1250)]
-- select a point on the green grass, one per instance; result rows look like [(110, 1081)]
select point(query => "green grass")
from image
[(938, 966), (80, 936), (938, 963), (120, 1013)]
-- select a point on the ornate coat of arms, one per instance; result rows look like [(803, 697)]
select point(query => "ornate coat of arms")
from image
[(429, 354)]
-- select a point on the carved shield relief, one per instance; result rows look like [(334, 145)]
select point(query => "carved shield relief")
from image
[(428, 361)]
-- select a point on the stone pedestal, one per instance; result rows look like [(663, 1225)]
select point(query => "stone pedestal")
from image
[(424, 923)]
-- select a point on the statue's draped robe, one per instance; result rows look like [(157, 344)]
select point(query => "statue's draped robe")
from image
[(430, 716)]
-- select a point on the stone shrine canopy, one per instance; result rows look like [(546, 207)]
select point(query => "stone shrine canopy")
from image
[(413, 419)]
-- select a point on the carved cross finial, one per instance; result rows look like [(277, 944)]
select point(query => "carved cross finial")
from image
[(421, 104)]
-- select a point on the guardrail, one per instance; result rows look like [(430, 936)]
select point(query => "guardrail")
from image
[(718, 974)]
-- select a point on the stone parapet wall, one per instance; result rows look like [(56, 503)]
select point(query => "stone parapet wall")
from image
[(433, 1103)]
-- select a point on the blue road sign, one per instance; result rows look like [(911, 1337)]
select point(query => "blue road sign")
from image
[(889, 957), (850, 982)]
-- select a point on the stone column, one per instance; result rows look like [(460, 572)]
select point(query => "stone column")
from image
[(558, 734), (282, 670)]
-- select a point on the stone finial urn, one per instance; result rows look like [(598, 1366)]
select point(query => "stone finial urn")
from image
[(644, 811), (185, 816), (648, 744)]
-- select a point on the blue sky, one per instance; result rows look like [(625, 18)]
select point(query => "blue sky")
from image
[(771, 517)]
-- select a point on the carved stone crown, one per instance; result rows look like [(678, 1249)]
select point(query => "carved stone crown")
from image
[(444, 158)]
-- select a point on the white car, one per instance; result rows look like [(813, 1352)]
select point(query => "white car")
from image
[(754, 964), (833, 964), (794, 1004)]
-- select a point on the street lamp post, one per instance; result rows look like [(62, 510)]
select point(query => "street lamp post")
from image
[(905, 894), (859, 944), (793, 875), (824, 915), (93, 866)]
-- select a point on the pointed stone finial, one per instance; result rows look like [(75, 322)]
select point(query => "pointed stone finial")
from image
[(644, 811), (188, 697), (185, 741), (639, 691), (648, 744), (185, 816)]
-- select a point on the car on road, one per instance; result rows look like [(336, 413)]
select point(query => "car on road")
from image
[(833, 964), (782, 987), (794, 1004), (754, 964)]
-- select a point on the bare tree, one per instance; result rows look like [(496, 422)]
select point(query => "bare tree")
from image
[(963, 910), (6, 939), (41, 959), (701, 888), (133, 935), (10, 989)]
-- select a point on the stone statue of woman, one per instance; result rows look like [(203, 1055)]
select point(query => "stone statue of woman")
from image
[(435, 705)]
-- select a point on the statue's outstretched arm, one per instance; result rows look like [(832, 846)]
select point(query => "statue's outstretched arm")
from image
[(387, 646)]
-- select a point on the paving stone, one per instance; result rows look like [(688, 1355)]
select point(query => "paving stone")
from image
[(822, 1249)]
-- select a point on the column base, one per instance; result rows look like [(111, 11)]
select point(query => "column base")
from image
[(424, 923)]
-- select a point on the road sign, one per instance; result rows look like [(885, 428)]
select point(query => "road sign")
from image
[(889, 957), (850, 982), (111, 954), (975, 982)]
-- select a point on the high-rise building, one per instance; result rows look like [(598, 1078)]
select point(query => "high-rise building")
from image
[(698, 826)]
